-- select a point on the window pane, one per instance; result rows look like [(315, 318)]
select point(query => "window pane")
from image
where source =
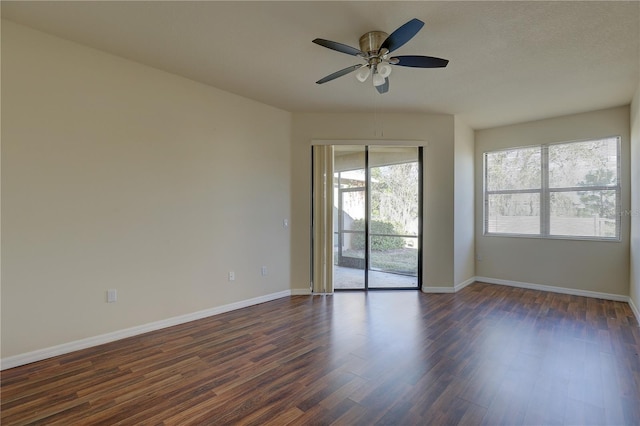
[(592, 163), (394, 254), (350, 178), (583, 213), (513, 169), (513, 213), (348, 216), (394, 189), (352, 210)]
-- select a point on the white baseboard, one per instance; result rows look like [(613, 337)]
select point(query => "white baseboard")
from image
[(635, 310), (438, 289), (454, 289), (463, 284), (542, 287), (40, 354), (554, 289)]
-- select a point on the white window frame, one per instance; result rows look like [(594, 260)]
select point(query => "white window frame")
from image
[(545, 194)]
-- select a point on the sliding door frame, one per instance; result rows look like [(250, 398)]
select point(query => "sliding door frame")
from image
[(368, 234), (417, 144)]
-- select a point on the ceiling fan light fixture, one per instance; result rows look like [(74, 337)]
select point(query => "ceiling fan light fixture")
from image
[(384, 70), (363, 74), (378, 80)]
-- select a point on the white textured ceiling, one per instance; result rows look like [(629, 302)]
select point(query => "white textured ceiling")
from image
[(509, 61)]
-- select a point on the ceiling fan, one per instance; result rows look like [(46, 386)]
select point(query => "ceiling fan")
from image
[(375, 48)]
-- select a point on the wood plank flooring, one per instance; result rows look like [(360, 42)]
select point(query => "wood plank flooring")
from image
[(486, 355)]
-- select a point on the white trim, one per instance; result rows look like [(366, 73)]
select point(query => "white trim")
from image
[(635, 310), (541, 287), (463, 284), (447, 289), (374, 141), (40, 354), (554, 289), (438, 289)]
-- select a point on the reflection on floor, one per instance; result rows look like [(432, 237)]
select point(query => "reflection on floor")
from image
[(351, 278)]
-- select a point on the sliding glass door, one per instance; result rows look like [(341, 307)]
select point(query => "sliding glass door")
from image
[(349, 214), (394, 217), (376, 217)]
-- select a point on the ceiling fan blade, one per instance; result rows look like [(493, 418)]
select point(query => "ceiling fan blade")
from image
[(419, 61), (383, 88), (339, 73), (334, 45), (402, 35)]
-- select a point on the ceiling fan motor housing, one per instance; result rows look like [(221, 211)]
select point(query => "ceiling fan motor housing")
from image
[(371, 41)]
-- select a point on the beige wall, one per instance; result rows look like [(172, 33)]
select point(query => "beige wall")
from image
[(582, 265), (634, 290), (438, 218), (116, 175), (464, 258)]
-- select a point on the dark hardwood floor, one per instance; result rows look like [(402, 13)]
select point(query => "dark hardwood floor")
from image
[(486, 355)]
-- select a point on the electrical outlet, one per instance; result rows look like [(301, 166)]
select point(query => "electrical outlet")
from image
[(232, 276), (285, 223), (112, 295), (263, 271), (479, 257)]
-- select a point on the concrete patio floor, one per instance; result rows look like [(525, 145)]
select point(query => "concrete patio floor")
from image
[(351, 278)]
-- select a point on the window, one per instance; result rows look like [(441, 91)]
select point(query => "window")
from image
[(564, 190)]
